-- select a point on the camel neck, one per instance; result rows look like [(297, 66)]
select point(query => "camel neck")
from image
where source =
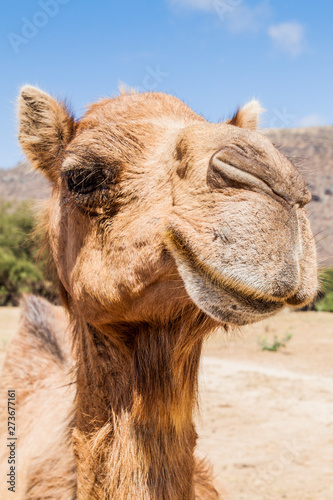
[(136, 391)]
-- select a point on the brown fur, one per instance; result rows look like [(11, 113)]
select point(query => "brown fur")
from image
[(247, 117), (162, 227)]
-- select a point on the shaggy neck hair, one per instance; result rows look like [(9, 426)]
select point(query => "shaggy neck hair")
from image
[(136, 392)]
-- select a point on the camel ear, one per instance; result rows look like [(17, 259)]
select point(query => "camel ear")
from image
[(247, 116), (45, 128)]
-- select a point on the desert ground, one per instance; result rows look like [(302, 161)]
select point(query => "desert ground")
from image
[(266, 418)]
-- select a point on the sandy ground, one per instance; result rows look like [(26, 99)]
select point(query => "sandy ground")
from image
[(266, 419)]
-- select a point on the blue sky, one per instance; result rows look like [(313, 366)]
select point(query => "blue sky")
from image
[(213, 54)]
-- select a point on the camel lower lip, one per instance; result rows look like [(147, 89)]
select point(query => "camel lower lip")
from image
[(226, 304), (251, 305)]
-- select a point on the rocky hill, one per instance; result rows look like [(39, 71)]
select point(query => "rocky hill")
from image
[(22, 183), (310, 148)]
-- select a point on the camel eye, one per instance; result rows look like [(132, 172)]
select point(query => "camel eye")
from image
[(85, 181)]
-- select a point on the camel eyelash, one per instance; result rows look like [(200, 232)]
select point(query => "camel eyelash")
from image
[(86, 182), (86, 172), (92, 190)]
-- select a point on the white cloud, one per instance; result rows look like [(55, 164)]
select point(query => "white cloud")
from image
[(246, 18), (313, 120), (237, 16), (288, 37)]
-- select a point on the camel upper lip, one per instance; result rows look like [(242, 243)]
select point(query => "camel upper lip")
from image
[(240, 291)]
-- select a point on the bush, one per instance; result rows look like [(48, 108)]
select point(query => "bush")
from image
[(21, 269), (325, 297), (276, 344)]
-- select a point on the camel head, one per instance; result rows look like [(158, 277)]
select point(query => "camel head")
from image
[(156, 211)]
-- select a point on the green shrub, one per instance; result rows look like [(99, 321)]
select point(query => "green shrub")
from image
[(275, 344), (21, 269)]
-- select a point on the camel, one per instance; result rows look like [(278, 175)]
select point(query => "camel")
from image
[(162, 227)]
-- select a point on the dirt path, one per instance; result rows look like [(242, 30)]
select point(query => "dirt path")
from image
[(266, 420)]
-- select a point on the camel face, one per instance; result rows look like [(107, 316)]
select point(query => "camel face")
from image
[(154, 209), (238, 230)]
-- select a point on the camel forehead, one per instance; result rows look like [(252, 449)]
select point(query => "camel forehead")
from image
[(139, 107), (143, 113), (130, 127)]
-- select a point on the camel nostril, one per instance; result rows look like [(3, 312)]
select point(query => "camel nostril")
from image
[(234, 175), (250, 166), (237, 177)]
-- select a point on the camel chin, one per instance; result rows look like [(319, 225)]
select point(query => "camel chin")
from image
[(224, 304)]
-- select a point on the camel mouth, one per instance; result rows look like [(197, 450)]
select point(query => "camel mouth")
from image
[(224, 299)]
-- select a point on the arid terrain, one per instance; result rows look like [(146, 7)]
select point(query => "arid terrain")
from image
[(266, 419)]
